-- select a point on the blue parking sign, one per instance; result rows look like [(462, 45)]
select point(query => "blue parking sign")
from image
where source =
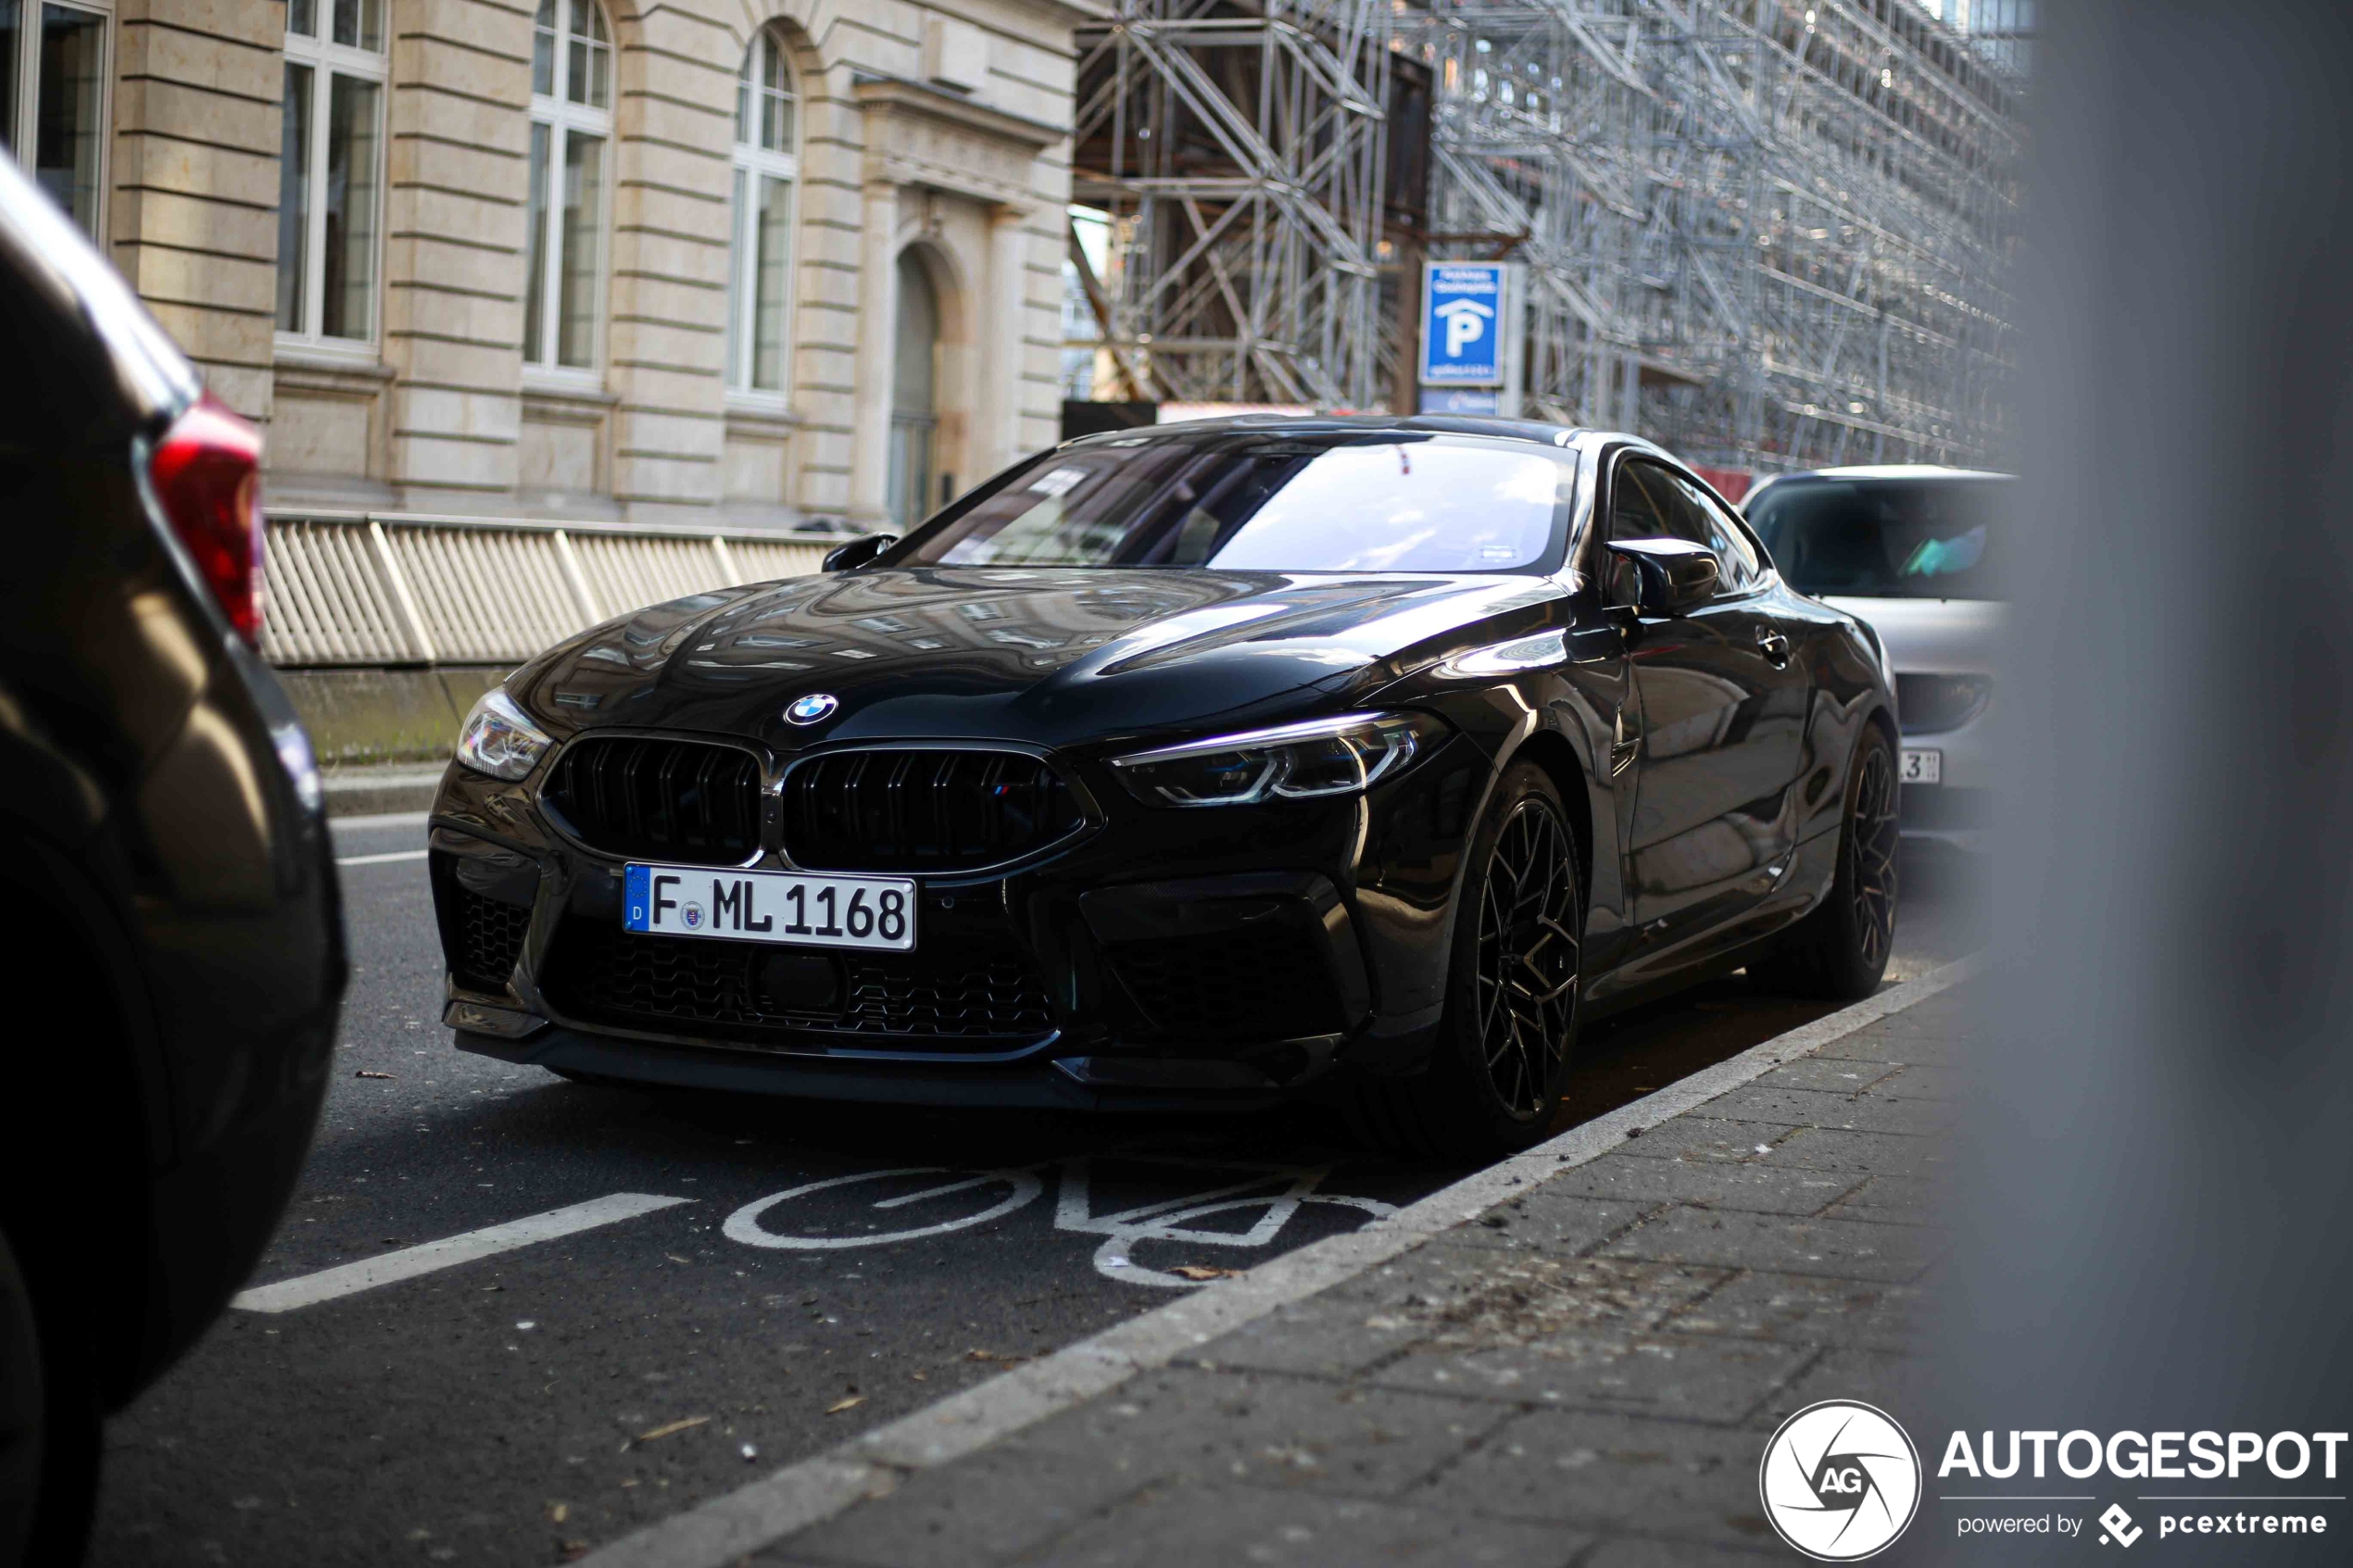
[(1462, 321)]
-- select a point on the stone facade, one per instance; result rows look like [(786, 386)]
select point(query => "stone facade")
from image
[(938, 127)]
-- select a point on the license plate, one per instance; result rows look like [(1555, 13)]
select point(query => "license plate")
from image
[(1923, 765), (784, 908)]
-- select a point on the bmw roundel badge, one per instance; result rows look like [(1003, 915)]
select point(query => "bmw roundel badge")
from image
[(812, 709)]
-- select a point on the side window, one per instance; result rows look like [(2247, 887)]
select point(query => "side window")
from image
[(1684, 512), (1633, 514), (1736, 559)]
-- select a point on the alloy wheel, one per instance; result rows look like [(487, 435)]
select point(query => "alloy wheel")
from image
[(1871, 842), (1528, 956)]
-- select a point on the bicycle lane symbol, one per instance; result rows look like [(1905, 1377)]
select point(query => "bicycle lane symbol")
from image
[(1279, 1191)]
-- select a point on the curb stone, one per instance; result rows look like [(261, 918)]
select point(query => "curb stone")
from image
[(727, 1528)]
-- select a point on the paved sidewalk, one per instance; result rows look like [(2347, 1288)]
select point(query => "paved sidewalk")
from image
[(1585, 1373)]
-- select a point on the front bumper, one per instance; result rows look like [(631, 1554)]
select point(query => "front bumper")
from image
[(1166, 960), (1958, 812)]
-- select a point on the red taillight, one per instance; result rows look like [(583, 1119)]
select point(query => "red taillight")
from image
[(208, 474)]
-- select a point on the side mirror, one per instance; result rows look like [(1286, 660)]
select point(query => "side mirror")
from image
[(1675, 574), (858, 552)]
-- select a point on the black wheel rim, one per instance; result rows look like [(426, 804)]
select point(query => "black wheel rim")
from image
[(1528, 956), (1870, 850)]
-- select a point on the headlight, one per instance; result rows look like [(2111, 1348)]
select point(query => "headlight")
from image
[(1306, 761), (498, 740)]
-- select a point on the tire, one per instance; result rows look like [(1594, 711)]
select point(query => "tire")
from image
[(1840, 951), (49, 1429), (1492, 1084)]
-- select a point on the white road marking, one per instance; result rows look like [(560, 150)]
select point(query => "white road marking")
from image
[(380, 820), (349, 1279), (736, 1523), (744, 1223), (380, 859)]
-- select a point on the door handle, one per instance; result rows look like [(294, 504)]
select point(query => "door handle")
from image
[(1774, 646)]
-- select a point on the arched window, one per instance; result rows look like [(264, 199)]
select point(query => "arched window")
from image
[(759, 263), (329, 161), (571, 127)]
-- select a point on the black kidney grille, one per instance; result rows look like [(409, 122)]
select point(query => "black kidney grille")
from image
[(920, 810), (669, 799), (1252, 985), (978, 995), (489, 939)]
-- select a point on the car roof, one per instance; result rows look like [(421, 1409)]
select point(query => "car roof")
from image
[(1891, 470), (1533, 431)]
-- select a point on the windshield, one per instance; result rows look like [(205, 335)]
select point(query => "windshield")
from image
[(1401, 501), (1883, 538)]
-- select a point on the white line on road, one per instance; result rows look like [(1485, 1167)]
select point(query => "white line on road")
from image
[(737, 1524), (381, 860), (308, 1290), (380, 820)]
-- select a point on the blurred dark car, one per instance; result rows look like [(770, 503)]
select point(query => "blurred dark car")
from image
[(166, 863)]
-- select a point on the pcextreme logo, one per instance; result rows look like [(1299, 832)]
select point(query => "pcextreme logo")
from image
[(1840, 1481)]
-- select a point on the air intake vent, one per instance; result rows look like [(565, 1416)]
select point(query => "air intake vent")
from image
[(1254, 985), (482, 937), (923, 810), (660, 799), (974, 994)]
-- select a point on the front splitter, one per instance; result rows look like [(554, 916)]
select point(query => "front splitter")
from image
[(1034, 1085)]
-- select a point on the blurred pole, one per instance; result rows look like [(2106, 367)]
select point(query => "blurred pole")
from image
[(2153, 1197)]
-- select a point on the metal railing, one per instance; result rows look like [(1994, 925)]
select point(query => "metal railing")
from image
[(364, 589)]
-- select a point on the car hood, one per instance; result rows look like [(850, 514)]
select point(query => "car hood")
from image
[(1933, 636), (1047, 656)]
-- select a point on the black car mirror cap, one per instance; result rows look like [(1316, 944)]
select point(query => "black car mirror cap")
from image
[(1675, 574), (858, 552)]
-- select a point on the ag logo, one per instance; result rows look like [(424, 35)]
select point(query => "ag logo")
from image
[(1840, 1481), (812, 709)]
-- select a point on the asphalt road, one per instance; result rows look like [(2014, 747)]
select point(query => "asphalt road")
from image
[(524, 1405)]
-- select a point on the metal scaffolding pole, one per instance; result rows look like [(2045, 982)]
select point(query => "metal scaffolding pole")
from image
[(1239, 153), (1768, 232), (1777, 231)]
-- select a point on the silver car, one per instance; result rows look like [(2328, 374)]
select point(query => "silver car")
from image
[(1904, 548)]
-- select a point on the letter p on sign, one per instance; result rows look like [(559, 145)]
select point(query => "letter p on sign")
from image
[(1464, 323)]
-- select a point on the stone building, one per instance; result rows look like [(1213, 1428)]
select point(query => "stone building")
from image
[(741, 262)]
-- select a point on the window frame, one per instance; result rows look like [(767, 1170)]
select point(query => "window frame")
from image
[(565, 118), (1628, 457), (750, 162), (326, 60), (24, 136)]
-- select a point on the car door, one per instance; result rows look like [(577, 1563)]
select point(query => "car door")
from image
[(1722, 702)]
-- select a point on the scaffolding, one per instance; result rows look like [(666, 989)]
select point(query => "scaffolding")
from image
[(1770, 233), (1239, 153)]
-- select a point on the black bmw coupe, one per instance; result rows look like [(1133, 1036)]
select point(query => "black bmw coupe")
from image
[(1354, 757)]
